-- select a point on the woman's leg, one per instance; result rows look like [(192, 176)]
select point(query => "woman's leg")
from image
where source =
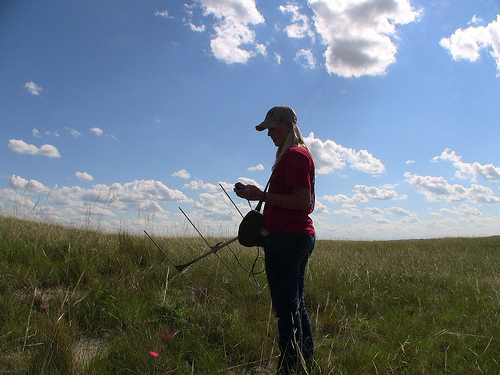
[(286, 260), (307, 343)]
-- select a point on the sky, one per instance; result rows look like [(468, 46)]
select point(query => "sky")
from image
[(115, 114)]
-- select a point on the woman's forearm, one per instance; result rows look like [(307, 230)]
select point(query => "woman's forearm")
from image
[(299, 199)]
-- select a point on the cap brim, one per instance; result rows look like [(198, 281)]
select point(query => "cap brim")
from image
[(266, 125)]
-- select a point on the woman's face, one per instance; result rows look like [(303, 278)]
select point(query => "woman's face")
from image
[(279, 133)]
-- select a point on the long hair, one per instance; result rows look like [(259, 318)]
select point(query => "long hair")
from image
[(295, 138)]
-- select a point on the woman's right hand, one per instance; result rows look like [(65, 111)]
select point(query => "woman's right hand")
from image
[(250, 192)]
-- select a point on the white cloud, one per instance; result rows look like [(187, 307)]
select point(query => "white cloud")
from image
[(305, 58), (259, 167), (392, 211), (200, 185), (475, 20), (381, 216), (212, 203), (463, 210), (466, 44), (181, 174), (147, 189), (96, 131), (408, 162), (261, 49), (380, 219), (99, 132), (22, 147), (244, 10), (84, 176), (250, 181), (405, 228), (350, 211), (137, 194), (356, 33), (20, 201), (469, 170), (320, 207), (299, 26), (36, 133), (371, 192), (330, 156), (437, 188), (163, 14), (18, 182), (230, 35), (232, 30), (76, 205), (365, 194), (73, 132), (198, 29), (33, 88), (339, 198), (31, 186)]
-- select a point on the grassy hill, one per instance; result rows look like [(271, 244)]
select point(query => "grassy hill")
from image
[(84, 302)]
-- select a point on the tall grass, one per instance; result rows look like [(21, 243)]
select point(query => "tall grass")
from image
[(85, 302)]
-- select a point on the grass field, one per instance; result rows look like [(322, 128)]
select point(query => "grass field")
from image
[(84, 302)]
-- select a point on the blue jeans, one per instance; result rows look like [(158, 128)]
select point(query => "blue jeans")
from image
[(286, 257)]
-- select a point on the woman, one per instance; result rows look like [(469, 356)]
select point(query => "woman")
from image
[(291, 236)]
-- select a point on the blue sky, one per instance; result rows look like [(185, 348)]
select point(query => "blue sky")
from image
[(113, 114)]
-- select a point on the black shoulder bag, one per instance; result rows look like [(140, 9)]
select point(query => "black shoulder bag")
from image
[(252, 230)]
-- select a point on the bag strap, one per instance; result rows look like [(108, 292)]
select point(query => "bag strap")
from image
[(259, 205)]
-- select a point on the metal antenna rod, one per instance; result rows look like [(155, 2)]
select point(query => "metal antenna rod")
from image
[(213, 249), (194, 226), (234, 204), (158, 246), (171, 261)]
